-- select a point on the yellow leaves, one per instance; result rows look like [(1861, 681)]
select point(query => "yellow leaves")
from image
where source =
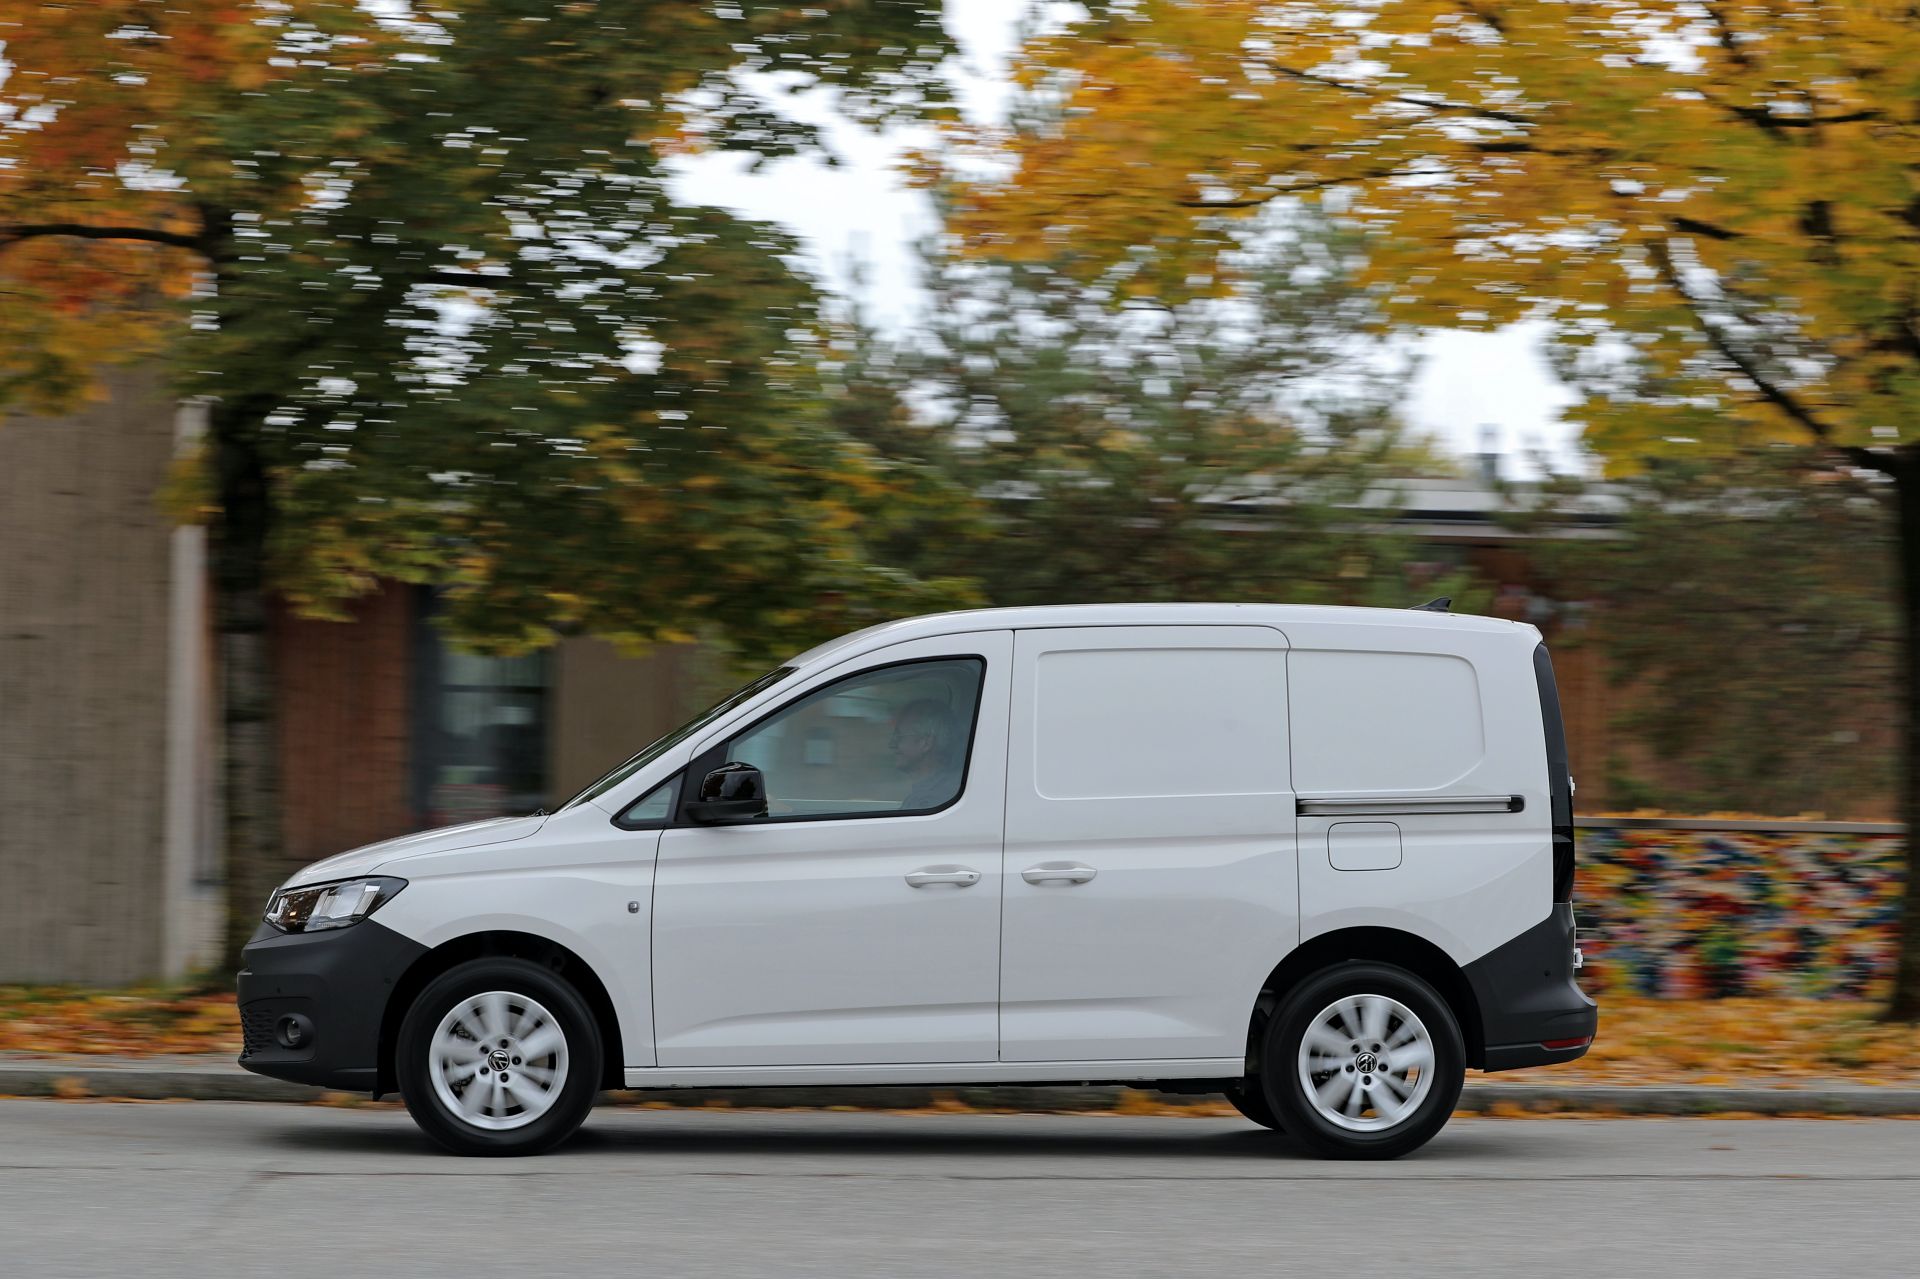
[(861, 483), (564, 608), (187, 493), (1549, 156), (834, 518), (138, 1021), (1758, 1041)]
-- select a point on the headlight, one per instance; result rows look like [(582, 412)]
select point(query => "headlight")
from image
[(316, 906)]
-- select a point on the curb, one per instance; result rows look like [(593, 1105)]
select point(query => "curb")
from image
[(222, 1080)]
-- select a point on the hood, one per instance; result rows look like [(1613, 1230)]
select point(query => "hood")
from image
[(360, 861)]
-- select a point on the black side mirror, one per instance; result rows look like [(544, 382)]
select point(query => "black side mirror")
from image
[(730, 793)]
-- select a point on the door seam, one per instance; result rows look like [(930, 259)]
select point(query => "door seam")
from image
[(1006, 793)]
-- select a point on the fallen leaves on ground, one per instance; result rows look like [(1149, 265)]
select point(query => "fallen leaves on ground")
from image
[(1752, 1042), (137, 1022)]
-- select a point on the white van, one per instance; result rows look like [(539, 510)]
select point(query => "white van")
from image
[(1318, 859)]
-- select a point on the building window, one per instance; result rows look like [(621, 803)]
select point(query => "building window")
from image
[(480, 724)]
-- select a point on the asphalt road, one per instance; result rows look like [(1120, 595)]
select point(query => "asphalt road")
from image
[(209, 1188)]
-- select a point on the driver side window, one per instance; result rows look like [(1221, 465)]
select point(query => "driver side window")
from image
[(890, 740)]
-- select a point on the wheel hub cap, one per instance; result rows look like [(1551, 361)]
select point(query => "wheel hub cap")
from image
[(1366, 1063), (498, 1060)]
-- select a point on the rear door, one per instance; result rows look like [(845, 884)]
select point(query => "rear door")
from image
[(1150, 858), (1424, 802)]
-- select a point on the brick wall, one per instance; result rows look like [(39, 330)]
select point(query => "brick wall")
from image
[(344, 726)]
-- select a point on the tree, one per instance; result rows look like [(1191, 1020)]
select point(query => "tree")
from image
[(1749, 616), (454, 322), (1712, 204), (1230, 448)]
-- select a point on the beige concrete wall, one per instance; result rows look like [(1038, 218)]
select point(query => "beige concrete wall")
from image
[(605, 706), (86, 568)]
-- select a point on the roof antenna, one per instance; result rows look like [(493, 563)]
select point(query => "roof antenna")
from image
[(1440, 605)]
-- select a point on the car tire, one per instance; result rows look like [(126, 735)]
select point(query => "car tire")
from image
[(499, 1056), (1363, 1061), (1250, 1099)]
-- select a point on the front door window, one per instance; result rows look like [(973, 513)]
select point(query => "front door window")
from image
[(891, 740)]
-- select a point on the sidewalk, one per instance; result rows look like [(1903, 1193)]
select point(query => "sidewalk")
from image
[(218, 1078)]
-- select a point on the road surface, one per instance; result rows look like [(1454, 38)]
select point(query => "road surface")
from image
[(209, 1188)]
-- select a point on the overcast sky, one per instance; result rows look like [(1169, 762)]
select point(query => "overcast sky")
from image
[(860, 223)]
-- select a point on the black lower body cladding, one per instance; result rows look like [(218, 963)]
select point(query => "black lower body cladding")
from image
[(334, 987), (1528, 997)]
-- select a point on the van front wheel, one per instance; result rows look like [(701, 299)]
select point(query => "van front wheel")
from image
[(499, 1056), (1363, 1061), (1250, 1099)]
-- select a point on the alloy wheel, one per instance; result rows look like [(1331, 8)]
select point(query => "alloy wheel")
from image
[(498, 1060)]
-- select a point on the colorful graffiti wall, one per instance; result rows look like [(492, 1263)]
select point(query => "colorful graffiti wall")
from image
[(1798, 910)]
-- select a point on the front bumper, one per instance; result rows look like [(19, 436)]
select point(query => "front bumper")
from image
[(336, 986), (1532, 1012)]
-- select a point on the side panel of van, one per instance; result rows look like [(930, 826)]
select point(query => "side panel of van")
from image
[(1417, 757), (1150, 881)]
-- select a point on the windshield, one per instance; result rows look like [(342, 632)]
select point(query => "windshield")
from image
[(680, 734)]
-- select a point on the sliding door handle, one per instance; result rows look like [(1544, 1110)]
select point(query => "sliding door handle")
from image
[(958, 876), (1058, 873)]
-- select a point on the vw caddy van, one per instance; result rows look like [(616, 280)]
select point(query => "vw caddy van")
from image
[(1318, 859)]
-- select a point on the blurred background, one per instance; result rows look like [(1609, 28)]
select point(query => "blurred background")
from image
[(412, 409)]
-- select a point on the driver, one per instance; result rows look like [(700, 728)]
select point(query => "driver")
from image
[(925, 749)]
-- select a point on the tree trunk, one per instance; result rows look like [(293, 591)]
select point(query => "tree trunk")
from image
[(250, 747), (1904, 468)]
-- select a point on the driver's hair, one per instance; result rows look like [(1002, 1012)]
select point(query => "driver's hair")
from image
[(933, 717)]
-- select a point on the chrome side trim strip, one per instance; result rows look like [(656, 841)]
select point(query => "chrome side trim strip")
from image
[(1394, 805)]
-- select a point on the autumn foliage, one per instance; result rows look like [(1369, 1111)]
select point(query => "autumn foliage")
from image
[(1686, 173)]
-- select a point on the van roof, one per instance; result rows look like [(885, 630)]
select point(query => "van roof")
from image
[(1275, 615)]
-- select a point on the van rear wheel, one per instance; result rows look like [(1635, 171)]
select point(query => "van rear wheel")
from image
[(499, 1056), (1363, 1061)]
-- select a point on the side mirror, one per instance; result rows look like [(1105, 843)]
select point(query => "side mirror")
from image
[(730, 793)]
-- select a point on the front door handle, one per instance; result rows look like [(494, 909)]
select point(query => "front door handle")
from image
[(958, 876), (1058, 872)]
